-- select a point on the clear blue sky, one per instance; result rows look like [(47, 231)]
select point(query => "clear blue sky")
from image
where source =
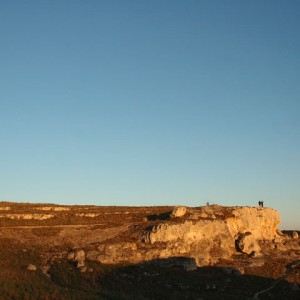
[(151, 103)]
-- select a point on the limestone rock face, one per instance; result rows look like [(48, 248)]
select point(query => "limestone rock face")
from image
[(211, 232), (224, 221)]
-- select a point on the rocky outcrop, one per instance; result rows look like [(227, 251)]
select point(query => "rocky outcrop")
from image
[(87, 215), (5, 208), (208, 222), (211, 232), (205, 234), (27, 216), (54, 208)]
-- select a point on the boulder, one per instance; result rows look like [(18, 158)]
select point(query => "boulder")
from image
[(77, 256), (246, 243), (178, 212), (295, 235), (31, 267)]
